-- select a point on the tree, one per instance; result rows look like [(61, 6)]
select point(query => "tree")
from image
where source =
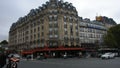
[(112, 39), (4, 42)]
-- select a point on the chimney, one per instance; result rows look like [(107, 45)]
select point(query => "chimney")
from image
[(53, 1)]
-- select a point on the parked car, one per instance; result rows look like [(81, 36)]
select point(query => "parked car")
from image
[(108, 56), (99, 55)]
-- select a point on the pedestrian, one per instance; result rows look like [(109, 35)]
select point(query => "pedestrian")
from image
[(2, 60)]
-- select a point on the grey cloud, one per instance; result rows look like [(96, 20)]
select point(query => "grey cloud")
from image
[(3, 37), (11, 10)]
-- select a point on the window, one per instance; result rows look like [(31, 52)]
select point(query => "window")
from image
[(63, 6), (50, 18), (38, 23), (55, 44), (42, 34), (56, 32), (65, 23), (77, 34), (38, 35), (56, 29), (50, 33), (71, 30), (38, 28), (44, 7), (76, 27), (42, 27), (23, 39), (31, 37), (31, 25), (55, 17), (50, 29), (34, 24), (71, 20), (50, 44), (31, 31), (50, 11), (50, 36), (38, 41), (55, 11), (34, 30), (65, 38), (56, 36), (55, 22), (68, 7), (27, 32), (34, 36), (65, 18), (56, 25), (50, 22), (42, 21), (65, 26), (53, 5), (50, 25), (66, 32)]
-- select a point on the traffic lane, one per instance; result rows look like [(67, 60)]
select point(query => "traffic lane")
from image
[(42, 64), (71, 63)]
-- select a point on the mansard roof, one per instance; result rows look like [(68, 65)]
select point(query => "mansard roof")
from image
[(49, 4)]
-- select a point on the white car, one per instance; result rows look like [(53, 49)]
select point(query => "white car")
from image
[(108, 56)]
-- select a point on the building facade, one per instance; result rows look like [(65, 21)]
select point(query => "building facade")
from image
[(56, 27), (91, 33), (54, 24)]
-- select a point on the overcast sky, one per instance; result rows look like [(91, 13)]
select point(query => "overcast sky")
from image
[(11, 10)]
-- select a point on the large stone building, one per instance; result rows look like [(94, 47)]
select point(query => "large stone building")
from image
[(54, 24), (56, 27), (91, 33)]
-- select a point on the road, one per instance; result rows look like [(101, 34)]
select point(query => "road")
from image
[(71, 63)]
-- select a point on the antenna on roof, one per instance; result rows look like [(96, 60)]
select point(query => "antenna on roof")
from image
[(96, 14)]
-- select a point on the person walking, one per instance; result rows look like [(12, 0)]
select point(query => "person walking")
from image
[(2, 60)]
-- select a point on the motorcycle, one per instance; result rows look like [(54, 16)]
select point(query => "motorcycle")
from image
[(12, 63)]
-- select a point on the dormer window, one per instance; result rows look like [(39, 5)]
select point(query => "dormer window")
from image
[(47, 2), (63, 6), (36, 11), (44, 6), (73, 8), (39, 8), (68, 7), (66, 3), (53, 5)]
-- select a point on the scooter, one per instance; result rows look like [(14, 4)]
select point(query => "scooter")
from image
[(14, 65)]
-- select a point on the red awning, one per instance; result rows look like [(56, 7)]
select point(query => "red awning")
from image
[(27, 52), (51, 49), (58, 49)]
